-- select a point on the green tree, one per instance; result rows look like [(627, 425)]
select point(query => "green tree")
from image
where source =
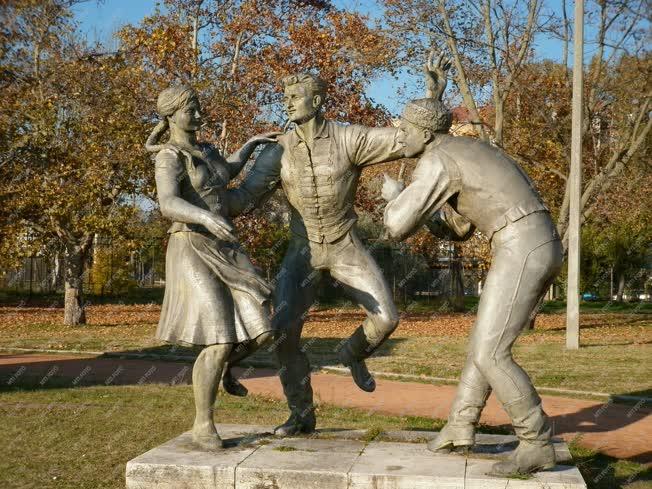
[(71, 142), (618, 239)]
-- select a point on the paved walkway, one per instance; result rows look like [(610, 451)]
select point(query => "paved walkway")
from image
[(622, 431)]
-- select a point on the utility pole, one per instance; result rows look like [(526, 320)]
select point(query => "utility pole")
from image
[(573, 292)]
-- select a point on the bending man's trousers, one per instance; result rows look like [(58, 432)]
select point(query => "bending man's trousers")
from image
[(355, 271), (526, 258)]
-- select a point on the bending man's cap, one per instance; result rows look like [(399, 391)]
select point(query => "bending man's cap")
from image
[(428, 113)]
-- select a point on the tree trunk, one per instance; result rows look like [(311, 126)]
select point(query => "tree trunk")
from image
[(456, 281), (55, 277), (621, 287), (499, 122), (535, 311), (74, 313)]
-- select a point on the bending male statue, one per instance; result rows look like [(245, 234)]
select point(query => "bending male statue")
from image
[(461, 183), (318, 165)]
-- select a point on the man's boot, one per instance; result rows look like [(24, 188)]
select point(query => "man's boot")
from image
[(303, 421), (453, 436), (464, 415), (295, 378), (352, 355), (535, 451)]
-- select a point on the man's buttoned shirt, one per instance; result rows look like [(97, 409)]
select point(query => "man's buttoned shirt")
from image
[(319, 179)]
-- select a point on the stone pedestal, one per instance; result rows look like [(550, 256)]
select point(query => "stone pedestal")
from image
[(334, 459)]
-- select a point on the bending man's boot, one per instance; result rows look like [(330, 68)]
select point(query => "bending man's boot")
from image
[(453, 436), (464, 415), (242, 350), (527, 458), (353, 354), (535, 451)]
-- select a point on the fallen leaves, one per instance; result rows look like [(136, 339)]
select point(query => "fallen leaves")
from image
[(116, 324)]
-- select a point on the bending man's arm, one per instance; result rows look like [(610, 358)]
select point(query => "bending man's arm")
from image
[(448, 224), (434, 181), (260, 182)]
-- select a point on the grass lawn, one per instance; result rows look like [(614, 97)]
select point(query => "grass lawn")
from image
[(83, 437), (614, 358)]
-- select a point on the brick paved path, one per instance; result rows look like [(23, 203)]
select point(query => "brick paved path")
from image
[(622, 431)]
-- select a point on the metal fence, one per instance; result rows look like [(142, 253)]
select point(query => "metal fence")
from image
[(407, 274), (41, 274)]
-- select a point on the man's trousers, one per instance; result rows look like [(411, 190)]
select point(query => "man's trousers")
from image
[(526, 258), (352, 266)]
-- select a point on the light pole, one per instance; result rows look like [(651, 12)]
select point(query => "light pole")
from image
[(573, 292)]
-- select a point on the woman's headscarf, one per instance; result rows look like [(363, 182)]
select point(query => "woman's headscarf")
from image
[(169, 101), (173, 98)]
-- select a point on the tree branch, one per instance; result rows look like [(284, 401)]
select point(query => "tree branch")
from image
[(527, 160), (533, 6), (462, 80), (618, 160)]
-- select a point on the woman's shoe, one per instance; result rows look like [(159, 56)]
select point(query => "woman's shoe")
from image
[(233, 385)]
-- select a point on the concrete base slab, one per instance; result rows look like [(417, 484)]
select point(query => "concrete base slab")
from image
[(406, 466), (334, 459), (301, 463), (178, 464)]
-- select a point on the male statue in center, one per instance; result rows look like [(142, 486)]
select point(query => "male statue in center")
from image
[(318, 165), (459, 184)]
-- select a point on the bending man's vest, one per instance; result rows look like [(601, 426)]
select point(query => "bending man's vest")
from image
[(494, 191)]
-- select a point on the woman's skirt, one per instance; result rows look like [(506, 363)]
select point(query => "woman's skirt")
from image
[(213, 294)]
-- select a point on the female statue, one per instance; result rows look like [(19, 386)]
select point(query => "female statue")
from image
[(213, 295)]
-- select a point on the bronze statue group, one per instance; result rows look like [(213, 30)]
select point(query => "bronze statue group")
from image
[(215, 297)]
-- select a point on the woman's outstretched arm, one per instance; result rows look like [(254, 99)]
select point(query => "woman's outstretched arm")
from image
[(261, 181), (237, 160)]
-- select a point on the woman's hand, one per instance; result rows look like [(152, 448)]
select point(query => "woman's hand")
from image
[(238, 159), (218, 226), (266, 137)]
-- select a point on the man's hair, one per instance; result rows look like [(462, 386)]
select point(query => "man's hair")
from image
[(316, 85), (428, 113)]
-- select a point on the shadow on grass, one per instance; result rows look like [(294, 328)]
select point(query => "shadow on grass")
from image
[(607, 417), (628, 343), (559, 307), (322, 352), (603, 472), (35, 372), (18, 298), (632, 320), (163, 364)]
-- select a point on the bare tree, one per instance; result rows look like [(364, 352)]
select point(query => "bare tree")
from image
[(489, 42), (618, 98)]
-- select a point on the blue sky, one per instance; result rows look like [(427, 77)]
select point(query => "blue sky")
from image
[(99, 20)]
